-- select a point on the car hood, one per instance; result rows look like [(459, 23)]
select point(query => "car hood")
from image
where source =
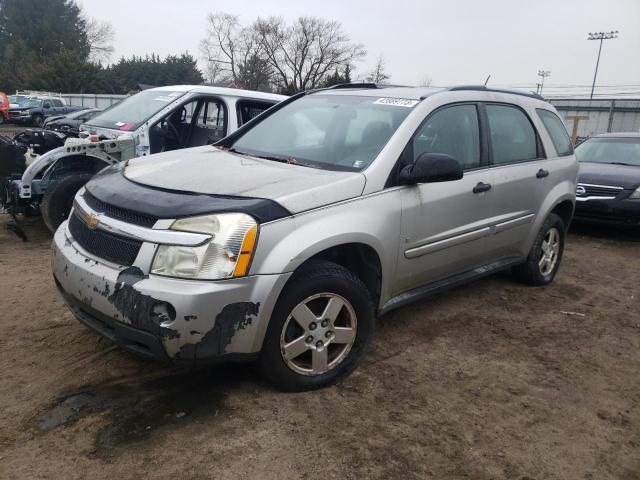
[(212, 171), (624, 176)]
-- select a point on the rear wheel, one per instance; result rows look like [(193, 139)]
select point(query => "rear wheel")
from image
[(544, 258), (319, 330), (58, 199)]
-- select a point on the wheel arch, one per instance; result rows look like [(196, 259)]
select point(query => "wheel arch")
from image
[(359, 258)]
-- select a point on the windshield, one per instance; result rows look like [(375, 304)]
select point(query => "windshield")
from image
[(613, 150), (336, 132), (134, 111), (18, 100), (25, 102)]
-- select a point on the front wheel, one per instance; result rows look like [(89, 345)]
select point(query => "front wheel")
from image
[(320, 328), (58, 199), (544, 258), (38, 120)]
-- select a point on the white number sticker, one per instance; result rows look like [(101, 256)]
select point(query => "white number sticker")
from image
[(397, 102)]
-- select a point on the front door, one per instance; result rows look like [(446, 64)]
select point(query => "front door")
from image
[(445, 225)]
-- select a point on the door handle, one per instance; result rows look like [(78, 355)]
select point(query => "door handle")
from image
[(542, 173), (482, 187)]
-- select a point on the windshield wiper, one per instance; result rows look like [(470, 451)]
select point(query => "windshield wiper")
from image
[(622, 163), (276, 158)]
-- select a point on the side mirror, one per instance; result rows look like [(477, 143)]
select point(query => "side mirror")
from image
[(431, 167), (46, 105)]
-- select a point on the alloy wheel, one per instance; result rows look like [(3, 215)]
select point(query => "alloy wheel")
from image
[(550, 251), (318, 334)]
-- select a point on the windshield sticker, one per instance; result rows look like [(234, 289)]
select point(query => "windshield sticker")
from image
[(397, 102), (164, 98)]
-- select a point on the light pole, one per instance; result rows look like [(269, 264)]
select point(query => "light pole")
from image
[(542, 74), (600, 36)]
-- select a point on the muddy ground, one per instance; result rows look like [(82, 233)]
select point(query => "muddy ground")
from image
[(490, 381)]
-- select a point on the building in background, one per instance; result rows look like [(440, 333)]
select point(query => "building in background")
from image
[(585, 118)]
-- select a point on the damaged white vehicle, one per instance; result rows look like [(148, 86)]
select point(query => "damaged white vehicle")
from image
[(152, 121), (283, 241)]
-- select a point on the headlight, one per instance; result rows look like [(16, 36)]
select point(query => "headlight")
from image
[(635, 195), (228, 253)]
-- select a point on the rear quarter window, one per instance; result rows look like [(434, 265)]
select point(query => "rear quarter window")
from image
[(557, 131)]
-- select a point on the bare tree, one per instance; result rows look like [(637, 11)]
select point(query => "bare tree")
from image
[(219, 48), (304, 54), (234, 54), (378, 74), (100, 36), (425, 81)]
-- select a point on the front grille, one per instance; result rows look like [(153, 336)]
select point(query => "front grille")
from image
[(119, 213), (113, 248), (586, 190)]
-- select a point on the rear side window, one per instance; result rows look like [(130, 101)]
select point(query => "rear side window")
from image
[(556, 130), (452, 131), (249, 109), (513, 138)]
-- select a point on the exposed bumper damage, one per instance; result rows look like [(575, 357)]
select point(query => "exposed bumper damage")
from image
[(182, 321)]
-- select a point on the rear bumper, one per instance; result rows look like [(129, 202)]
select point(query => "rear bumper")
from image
[(613, 212)]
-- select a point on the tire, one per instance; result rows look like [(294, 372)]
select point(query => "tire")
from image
[(317, 279), (58, 199), (38, 120), (534, 271)]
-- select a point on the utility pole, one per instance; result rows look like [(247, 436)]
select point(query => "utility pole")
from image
[(600, 36), (542, 74)]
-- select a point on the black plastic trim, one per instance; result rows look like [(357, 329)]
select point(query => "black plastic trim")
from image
[(433, 288), (110, 186)]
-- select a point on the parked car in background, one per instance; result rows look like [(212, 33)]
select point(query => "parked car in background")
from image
[(70, 124), (154, 120), (608, 188), (283, 241), (35, 110), (4, 108)]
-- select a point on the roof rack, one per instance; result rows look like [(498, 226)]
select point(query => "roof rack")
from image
[(483, 88), (353, 85)]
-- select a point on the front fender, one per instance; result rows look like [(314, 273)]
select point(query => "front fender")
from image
[(372, 220), (38, 166)]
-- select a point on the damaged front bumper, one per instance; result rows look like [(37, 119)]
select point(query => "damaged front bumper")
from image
[(182, 321)]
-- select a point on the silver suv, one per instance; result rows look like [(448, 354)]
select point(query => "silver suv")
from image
[(285, 240)]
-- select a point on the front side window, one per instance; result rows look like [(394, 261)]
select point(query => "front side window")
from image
[(613, 150), (452, 131), (338, 132), (513, 138), (556, 130)]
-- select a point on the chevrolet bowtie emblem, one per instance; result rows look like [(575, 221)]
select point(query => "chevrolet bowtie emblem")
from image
[(92, 221)]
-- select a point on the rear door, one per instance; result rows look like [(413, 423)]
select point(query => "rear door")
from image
[(520, 176), (444, 225)]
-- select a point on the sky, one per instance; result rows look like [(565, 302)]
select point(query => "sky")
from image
[(449, 41)]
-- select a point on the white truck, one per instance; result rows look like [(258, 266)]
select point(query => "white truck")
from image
[(152, 121)]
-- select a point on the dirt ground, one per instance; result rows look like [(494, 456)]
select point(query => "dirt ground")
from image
[(494, 380)]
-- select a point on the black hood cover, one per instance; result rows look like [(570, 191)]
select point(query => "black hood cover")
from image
[(625, 176), (111, 187)]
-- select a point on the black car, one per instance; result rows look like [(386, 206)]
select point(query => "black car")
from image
[(70, 123), (608, 188)]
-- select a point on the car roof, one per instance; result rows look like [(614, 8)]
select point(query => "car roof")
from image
[(232, 92), (618, 135)]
